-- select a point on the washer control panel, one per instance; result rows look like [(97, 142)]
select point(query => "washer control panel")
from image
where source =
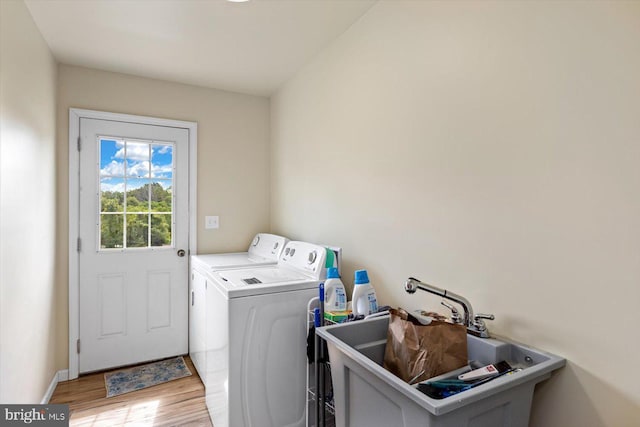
[(304, 256)]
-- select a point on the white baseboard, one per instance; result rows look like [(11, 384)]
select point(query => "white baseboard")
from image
[(62, 375)]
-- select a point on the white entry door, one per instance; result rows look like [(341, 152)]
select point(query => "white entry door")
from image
[(134, 232)]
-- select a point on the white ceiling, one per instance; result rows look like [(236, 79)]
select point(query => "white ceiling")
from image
[(250, 47)]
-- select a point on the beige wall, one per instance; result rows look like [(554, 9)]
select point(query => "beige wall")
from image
[(233, 156), (490, 148), (27, 208)]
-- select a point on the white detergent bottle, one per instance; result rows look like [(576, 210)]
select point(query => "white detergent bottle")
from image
[(335, 295), (364, 299)]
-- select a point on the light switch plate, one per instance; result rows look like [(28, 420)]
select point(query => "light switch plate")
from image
[(211, 222)]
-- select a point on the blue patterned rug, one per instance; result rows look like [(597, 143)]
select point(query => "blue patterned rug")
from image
[(143, 376)]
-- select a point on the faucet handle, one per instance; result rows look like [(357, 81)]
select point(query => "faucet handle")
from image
[(478, 321), (455, 314), (484, 316)]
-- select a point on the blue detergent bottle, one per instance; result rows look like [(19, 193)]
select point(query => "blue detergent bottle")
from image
[(335, 294), (364, 298)]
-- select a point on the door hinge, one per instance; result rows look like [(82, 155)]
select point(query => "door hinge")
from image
[(79, 246), (78, 346), (79, 144)]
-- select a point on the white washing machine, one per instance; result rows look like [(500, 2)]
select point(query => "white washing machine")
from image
[(265, 249), (256, 348)]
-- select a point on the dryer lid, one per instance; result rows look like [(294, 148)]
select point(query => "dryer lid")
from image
[(230, 260)]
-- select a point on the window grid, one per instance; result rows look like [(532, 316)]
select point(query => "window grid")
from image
[(159, 229)]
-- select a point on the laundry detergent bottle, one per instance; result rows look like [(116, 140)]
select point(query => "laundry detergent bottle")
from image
[(335, 295), (364, 299)]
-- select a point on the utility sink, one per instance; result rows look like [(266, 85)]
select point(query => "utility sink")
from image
[(367, 395)]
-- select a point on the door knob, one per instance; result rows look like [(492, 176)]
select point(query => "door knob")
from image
[(181, 252)]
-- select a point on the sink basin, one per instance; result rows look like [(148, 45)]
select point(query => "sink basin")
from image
[(366, 394)]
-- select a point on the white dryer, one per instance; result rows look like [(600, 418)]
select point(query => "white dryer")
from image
[(265, 249), (256, 349)]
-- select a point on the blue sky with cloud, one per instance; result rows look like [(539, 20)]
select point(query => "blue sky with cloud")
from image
[(153, 162)]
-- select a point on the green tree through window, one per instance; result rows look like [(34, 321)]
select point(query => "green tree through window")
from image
[(147, 206)]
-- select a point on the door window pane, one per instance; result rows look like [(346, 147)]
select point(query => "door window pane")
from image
[(161, 230), (137, 231), (111, 195), (162, 161), (137, 195), (161, 195), (111, 231), (144, 218), (137, 155), (111, 157)]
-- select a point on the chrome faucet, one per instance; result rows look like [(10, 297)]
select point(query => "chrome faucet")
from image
[(474, 323)]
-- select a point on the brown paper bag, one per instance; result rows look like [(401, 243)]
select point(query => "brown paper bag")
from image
[(416, 352)]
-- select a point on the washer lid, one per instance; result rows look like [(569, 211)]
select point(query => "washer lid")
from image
[(262, 280), (215, 262), (262, 276)]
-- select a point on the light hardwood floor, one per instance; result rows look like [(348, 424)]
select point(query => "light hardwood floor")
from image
[(175, 403)]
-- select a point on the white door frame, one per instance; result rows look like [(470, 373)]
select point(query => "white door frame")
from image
[(75, 115)]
